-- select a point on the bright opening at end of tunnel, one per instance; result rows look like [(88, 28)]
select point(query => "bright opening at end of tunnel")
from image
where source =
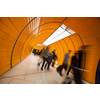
[(62, 32)]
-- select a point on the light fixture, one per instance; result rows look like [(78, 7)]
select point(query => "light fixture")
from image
[(54, 35), (39, 44), (62, 32)]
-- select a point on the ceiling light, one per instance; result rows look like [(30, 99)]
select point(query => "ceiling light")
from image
[(71, 31), (61, 36), (63, 26), (39, 44), (62, 32)]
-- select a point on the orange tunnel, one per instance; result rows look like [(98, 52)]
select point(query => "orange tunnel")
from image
[(19, 35)]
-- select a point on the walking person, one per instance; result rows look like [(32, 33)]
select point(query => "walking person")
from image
[(49, 61), (74, 66), (45, 56), (65, 63), (41, 58), (77, 72), (54, 58)]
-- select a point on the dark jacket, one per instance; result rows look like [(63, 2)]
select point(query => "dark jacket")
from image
[(50, 58)]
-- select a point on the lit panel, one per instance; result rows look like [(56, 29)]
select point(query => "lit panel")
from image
[(62, 32)]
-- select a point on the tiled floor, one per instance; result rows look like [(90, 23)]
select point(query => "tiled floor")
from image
[(27, 72)]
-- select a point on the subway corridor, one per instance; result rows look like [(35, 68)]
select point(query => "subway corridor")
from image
[(19, 36)]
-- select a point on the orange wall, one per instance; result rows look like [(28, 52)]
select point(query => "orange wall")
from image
[(10, 28)]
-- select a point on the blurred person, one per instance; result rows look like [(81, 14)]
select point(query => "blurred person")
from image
[(36, 52), (49, 61), (82, 57), (45, 56), (54, 58), (77, 67), (41, 51), (65, 63), (76, 71), (41, 58)]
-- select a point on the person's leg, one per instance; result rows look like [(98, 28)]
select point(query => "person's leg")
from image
[(44, 59), (79, 79), (65, 66), (48, 65), (69, 70), (52, 64), (61, 68), (39, 61), (75, 79)]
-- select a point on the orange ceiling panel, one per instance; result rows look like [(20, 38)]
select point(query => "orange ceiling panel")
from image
[(71, 25), (91, 21), (79, 23)]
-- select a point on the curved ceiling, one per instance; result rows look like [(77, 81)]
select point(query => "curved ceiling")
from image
[(18, 35)]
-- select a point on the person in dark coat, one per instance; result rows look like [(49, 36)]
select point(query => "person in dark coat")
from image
[(54, 58), (41, 58), (74, 66), (45, 56), (49, 61)]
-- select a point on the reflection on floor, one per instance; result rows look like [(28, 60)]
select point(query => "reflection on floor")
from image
[(27, 72)]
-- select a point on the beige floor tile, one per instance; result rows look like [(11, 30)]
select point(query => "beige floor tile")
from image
[(30, 72), (27, 69), (38, 83), (85, 82), (33, 65), (34, 77), (37, 70), (49, 73), (19, 66), (58, 79), (42, 75), (17, 81), (56, 74), (48, 80), (13, 73), (5, 80), (19, 77), (52, 68)]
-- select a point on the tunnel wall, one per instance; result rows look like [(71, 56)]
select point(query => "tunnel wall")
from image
[(10, 28), (35, 31)]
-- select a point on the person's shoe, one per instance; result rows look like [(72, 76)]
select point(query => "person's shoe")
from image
[(47, 68), (41, 68), (38, 64), (57, 70), (60, 74), (64, 82)]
